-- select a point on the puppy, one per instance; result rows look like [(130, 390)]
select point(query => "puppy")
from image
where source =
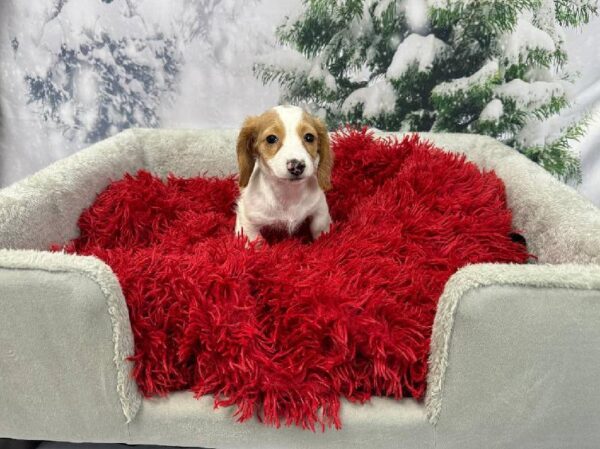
[(285, 167)]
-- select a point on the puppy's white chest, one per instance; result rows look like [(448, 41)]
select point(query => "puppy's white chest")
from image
[(290, 220), (287, 207), (285, 214)]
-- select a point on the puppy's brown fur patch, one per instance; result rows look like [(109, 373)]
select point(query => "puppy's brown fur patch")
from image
[(268, 124), (322, 148), (252, 142)]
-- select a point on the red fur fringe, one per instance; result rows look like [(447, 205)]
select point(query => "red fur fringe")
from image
[(285, 330)]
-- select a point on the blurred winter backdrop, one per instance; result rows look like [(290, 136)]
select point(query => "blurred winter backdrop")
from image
[(75, 71)]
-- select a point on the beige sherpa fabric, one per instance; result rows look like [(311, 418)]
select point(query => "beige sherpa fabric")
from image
[(102, 275), (569, 276)]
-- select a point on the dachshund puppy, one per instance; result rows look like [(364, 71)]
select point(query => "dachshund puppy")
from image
[(285, 167)]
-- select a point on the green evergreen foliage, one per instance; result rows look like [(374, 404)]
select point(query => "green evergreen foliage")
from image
[(495, 67)]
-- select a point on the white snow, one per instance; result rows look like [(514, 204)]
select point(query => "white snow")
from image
[(139, 54), (86, 87), (286, 59), (377, 99), (415, 49), (382, 6), (539, 74), (539, 132), (492, 111), (67, 113), (319, 72), (361, 25), (545, 20), (529, 96), (525, 38), (416, 14), (104, 55), (88, 118), (446, 3), (358, 75), (482, 75), (290, 60), (135, 86)]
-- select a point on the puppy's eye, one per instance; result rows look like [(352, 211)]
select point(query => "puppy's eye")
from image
[(271, 138), (308, 137)]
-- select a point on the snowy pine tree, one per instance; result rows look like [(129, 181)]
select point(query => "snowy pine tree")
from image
[(101, 76), (101, 66), (103, 86), (495, 67)]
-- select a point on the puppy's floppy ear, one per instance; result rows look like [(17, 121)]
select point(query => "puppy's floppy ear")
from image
[(325, 156), (245, 150)]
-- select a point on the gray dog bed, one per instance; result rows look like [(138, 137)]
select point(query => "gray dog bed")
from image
[(515, 354)]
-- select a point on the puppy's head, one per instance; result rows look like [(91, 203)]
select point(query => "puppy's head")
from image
[(288, 143)]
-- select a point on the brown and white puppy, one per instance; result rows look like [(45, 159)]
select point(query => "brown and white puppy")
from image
[(285, 167)]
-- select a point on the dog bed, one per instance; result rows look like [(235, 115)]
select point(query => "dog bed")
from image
[(284, 330), (514, 347)]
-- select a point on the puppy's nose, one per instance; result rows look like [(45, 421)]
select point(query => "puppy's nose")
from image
[(296, 167)]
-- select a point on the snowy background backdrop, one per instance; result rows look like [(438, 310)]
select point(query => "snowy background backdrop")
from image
[(74, 72)]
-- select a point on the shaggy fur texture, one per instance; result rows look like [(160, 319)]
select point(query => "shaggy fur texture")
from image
[(284, 330)]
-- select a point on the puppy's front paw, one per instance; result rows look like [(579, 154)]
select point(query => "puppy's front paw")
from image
[(320, 225), (248, 232), (247, 240), (259, 242)]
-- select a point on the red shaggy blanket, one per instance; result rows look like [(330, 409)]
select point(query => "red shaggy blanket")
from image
[(285, 330)]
